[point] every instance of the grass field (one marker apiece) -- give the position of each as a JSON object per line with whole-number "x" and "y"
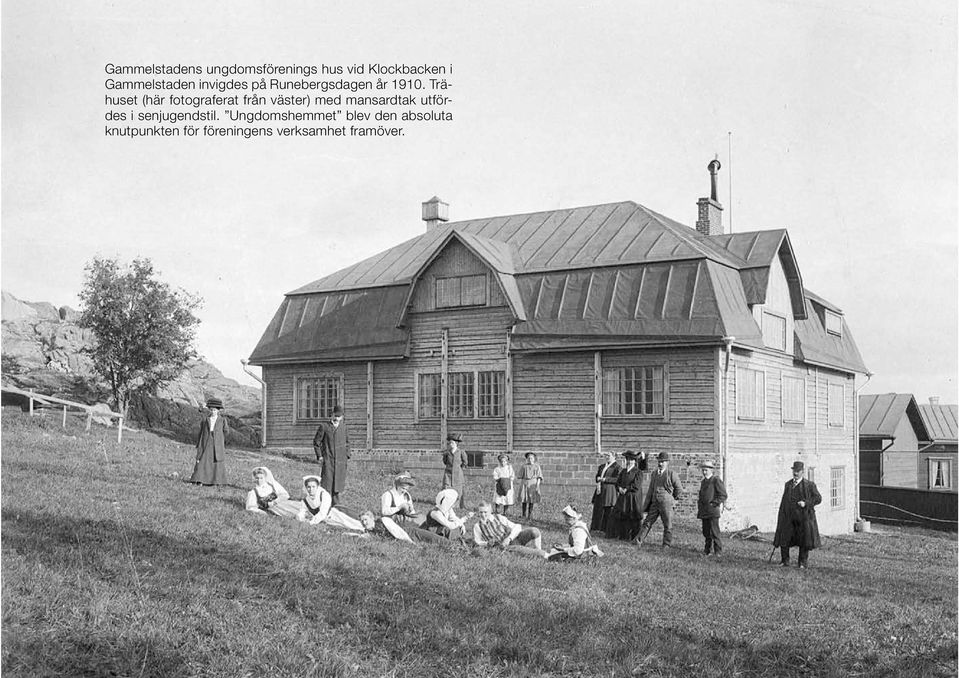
{"x": 114, "y": 566}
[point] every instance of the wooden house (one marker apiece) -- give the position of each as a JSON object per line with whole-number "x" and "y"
{"x": 938, "y": 457}
{"x": 571, "y": 331}
{"x": 890, "y": 431}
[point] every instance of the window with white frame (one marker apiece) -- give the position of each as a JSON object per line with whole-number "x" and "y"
{"x": 811, "y": 474}
{"x": 836, "y": 396}
{"x": 837, "y": 486}
{"x": 750, "y": 394}
{"x": 461, "y": 394}
{"x": 774, "y": 331}
{"x": 317, "y": 396}
{"x": 429, "y": 396}
{"x": 940, "y": 474}
{"x": 634, "y": 391}
{"x": 833, "y": 323}
{"x": 794, "y": 399}
{"x": 463, "y": 290}
{"x": 492, "y": 394}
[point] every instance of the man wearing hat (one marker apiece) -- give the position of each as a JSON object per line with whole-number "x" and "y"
{"x": 331, "y": 444}
{"x": 796, "y": 525}
{"x": 712, "y": 494}
{"x": 454, "y": 461}
{"x": 210, "y": 466}
{"x": 665, "y": 489}
{"x": 397, "y": 504}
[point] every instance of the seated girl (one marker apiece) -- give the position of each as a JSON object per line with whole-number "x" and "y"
{"x": 580, "y": 544}
{"x": 317, "y": 507}
{"x": 396, "y": 502}
{"x": 442, "y": 519}
{"x": 268, "y": 496}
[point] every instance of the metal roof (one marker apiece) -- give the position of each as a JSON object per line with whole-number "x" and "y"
{"x": 817, "y": 346}
{"x": 880, "y": 414}
{"x": 940, "y": 422}
{"x": 582, "y": 237}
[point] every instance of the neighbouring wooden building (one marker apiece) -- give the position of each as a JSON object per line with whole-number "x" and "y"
{"x": 571, "y": 331}
{"x": 908, "y": 460}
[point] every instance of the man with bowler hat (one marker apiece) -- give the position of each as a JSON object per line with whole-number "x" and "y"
{"x": 665, "y": 489}
{"x": 331, "y": 444}
{"x": 712, "y": 494}
{"x": 796, "y": 525}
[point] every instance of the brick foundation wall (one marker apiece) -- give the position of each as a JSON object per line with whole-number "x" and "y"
{"x": 569, "y": 473}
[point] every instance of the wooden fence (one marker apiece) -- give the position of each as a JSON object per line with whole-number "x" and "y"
{"x": 929, "y": 508}
{"x": 52, "y": 401}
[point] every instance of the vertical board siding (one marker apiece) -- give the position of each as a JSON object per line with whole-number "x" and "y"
{"x": 760, "y": 453}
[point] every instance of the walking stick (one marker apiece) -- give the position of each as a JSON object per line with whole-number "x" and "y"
{"x": 770, "y": 559}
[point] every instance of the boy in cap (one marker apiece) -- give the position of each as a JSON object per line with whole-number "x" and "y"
{"x": 796, "y": 525}
{"x": 665, "y": 489}
{"x": 712, "y": 494}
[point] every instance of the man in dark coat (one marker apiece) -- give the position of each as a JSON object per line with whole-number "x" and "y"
{"x": 797, "y": 524}
{"x": 712, "y": 494}
{"x": 454, "y": 461}
{"x": 331, "y": 444}
{"x": 665, "y": 489}
{"x": 210, "y": 466}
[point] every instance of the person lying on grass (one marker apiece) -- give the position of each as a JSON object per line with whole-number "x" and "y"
{"x": 396, "y": 502}
{"x": 492, "y": 530}
{"x": 580, "y": 545}
{"x": 387, "y": 528}
{"x": 268, "y": 496}
{"x": 442, "y": 520}
{"x": 317, "y": 507}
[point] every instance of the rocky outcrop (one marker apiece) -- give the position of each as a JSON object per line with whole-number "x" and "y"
{"x": 43, "y": 351}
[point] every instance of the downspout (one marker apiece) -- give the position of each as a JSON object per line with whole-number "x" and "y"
{"x": 725, "y": 407}
{"x": 245, "y": 363}
{"x": 855, "y": 438}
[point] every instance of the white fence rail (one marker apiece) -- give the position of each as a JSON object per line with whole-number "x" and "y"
{"x": 51, "y": 400}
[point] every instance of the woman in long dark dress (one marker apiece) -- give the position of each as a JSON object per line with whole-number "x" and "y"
{"x": 210, "y": 466}
{"x": 604, "y": 499}
{"x": 628, "y": 513}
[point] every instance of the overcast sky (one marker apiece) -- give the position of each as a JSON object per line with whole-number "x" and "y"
{"x": 843, "y": 119}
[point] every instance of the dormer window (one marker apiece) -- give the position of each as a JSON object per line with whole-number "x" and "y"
{"x": 833, "y": 323}
{"x": 774, "y": 331}
{"x": 463, "y": 290}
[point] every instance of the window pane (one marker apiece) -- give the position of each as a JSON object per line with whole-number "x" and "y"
{"x": 492, "y": 390}
{"x": 750, "y": 393}
{"x": 794, "y": 399}
{"x": 774, "y": 331}
{"x": 837, "y": 490}
{"x": 836, "y": 395}
{"x": 634, "y": 390}
{"x": 447, "y": 292}
{"x": 317, "y": 396}
{"x": 473, "y": 290}
{"x": 461, "y": 394}
{"x": 429, "y": 396}
{"x": 833, "y": 323}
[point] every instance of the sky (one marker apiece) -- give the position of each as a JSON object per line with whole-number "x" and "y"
{"x": 843, "y": 122}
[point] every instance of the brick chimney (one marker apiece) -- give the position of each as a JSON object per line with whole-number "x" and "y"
{"x": 933, "y": 400}
{"x": 710, "y": 220}
{"x": 435, "y": 213}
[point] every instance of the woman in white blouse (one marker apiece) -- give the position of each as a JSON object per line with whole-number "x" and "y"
{"x": 396, "y": 502}
{"x": 268, "y": 496}
{"x": 442, "y": 519}
{"x": 317, "y": 507}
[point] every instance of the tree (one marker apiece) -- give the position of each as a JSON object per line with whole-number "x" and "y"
{"x": 144, "y": 329}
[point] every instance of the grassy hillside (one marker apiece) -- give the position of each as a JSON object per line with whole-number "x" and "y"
{"x": 114, "y": 566}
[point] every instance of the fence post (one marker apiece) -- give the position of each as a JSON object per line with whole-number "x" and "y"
{"x": 89, "y": 419}
{"x": 64, "y": 416}
{"x": 31, "y": 406}
{"x": 119, "y": 429}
